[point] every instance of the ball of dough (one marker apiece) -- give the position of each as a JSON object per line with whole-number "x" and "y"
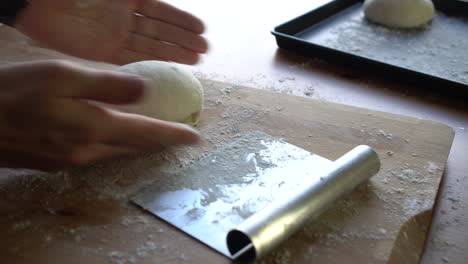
{"x": 172, "y": 93}
{"x": 399, "y": 13}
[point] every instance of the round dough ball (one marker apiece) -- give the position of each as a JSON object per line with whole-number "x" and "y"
{"x": 399, "y": 13}
{"x": 172, "y": 93}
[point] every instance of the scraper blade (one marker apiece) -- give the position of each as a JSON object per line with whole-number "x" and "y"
{"x": 233, "y": 184}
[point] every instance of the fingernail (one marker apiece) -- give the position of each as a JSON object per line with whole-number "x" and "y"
{"x": 196, "y": 136}
{"x": 185, "y": 126}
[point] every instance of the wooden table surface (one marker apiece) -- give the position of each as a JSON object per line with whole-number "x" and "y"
{"x": 244, "y": 52}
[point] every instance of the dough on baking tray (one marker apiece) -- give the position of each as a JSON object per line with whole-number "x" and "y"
{"x": 172, "y": 93}
{"x": 399, "y": 13}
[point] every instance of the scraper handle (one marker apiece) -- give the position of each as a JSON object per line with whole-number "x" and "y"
{"x": 266, "y": 229}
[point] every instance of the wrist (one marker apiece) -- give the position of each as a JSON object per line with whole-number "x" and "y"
{"x": 10, "y": 9}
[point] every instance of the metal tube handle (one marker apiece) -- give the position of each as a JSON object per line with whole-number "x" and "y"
{"x": 266, "y": 229}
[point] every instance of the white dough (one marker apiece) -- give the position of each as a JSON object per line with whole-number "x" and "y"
{"x": 399, "y": 13}
{"x": 172, "y": 93}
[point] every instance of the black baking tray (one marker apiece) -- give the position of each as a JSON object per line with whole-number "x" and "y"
{"x": 434, "y": 56}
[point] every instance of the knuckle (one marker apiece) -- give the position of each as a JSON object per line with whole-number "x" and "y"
{"x": 58, "y": 73}
{"x": 58, "y": 66}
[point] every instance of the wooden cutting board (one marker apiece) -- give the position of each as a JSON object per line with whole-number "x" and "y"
{"x": 83, "y": 215}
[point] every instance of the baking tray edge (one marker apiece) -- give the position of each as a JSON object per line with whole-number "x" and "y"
{"x": 284, "y": 35}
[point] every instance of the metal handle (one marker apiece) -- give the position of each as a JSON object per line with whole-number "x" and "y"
{"x": 265, "y": 230}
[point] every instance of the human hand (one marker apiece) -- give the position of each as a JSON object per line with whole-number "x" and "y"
{"x": 47, "y": 121}
{"x": 115, "y": 31}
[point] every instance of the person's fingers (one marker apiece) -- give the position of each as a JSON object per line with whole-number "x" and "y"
{"x": 166, "y": 32}
{"x": 164, "y": 50}
{"x": 170, "y": 14}
{"x": 126, "y": 56}
{"x": 144, "y": 133}
{"x": 67, "y": 79}
{"x": 54, "y": 123}
{"x": 54, "y": 148}
{"x": 98, "y": 85}
{"x": 18, "y": 159}
{"x": 87, "y": 124}
{"x": 93, "y": 152}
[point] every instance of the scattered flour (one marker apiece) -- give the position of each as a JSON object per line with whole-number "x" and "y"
{"x": 119, "y": 257}
{"x": 413, "y": 206}
{"x": 144, "y": 249}
{"x": 407, "y": 175}
{"x": 21, "y": 225}
{"x": 138, "y": 219}
{"x": 432, "y": 167}
{"x": 388, "y": 136}
{"x": 280, "y": 256}
{"x": 283, "y": 79}
{"x": 117, "y": 181}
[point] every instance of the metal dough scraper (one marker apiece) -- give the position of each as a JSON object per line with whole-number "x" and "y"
{"x": 247, "y": 197}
